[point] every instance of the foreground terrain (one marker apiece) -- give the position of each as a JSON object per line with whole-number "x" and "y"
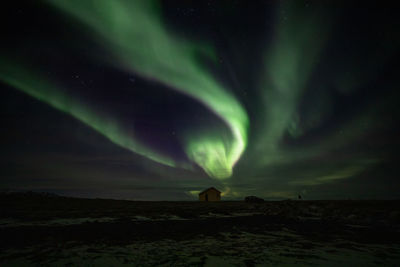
{"x": 40, "y": 229}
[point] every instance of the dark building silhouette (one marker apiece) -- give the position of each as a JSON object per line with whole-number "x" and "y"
{"x": 210, "y": 194}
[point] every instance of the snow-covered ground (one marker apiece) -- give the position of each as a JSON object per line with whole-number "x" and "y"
{"x": 58, "y": 231}
{"x": 278, "y": 248}
{"x": 4, "y": 223}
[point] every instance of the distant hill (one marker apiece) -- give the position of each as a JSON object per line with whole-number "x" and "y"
{"x": 28, "y": 194}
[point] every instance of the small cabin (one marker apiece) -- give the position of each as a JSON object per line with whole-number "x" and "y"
{"x": 210, "y": 194}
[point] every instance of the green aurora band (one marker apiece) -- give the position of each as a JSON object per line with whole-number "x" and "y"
{"x": 47, "y": 92}
{"x": 134, "y": 33}
{"x": 300, "y": 35}
{"x": 291, "y": 100}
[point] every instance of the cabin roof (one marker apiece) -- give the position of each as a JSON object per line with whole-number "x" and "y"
{"x": 209, "y": 189}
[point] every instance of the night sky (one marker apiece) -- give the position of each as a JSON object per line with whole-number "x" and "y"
{"x": 158, "y": 100}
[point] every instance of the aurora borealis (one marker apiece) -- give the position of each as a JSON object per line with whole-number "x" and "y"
{"x": 159, "y": 99}
{"x": 135, "y": 34}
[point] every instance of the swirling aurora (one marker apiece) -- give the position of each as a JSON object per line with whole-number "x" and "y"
{"x": 271, "y": 109}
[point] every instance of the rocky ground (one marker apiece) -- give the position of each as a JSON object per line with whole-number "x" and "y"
{"x": 38, "y": 229}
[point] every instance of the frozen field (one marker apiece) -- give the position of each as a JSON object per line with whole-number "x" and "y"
{"x": 43, "y": 230}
